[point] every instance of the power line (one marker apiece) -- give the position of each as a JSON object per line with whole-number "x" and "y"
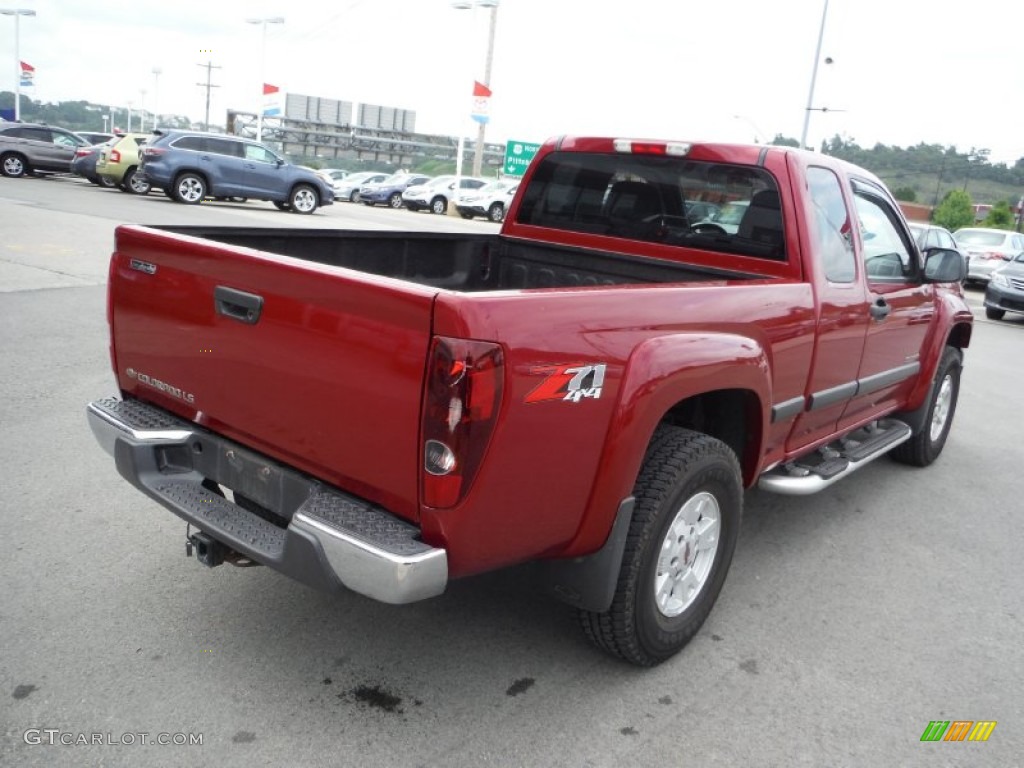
{"x": 209, "y": 67}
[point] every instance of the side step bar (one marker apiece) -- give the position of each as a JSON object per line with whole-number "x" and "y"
{"x": 818, "y": 470}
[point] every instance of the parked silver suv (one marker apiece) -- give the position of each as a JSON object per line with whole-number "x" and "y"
{"x": 33, "y": 147}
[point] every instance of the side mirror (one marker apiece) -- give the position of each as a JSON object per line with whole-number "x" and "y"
{"x": 944, "y": 265}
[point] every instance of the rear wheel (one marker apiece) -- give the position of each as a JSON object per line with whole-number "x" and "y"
{"x": 689, "y": 500}
{"x": 994, "y": 314}
{"x": 496, "y": 212}
{"x": 13, "y": 165}
{"x": 189, "y": 188}
{"x": 438, "y": 205}
{"x": 927, "y": 443}
{"x": 303, "y": 199}
{"x": 106, "y": 182}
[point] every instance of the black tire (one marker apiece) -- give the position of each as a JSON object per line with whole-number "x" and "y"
{"x": 685, "y": 475}
{"x": 466, "y": 214}
{"x": 13, "y": 165}
{"x": 994, "y": 314}
{"x": 190, "y": 188}
{"x": 926, "y": 444}
{"x": 354, "y": 196}
{"x": 106, "y": 182}
{"x": 496, "y": 212}
{"x": 395, "y": 201}
{"x": 439, "y": 205}
{"x": 370, "y": 203}
{"x": 133, "y": 184}
{"x": 282, "y": 206}
{"x": 303, "y": 199}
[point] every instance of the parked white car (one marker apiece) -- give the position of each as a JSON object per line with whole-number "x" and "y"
{"x": 490, "y": 200}
{"x": 348, "y": 188}
{"x": 434, "y": 195}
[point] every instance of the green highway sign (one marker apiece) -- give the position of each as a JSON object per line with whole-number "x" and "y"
{"x": 518, "y": 155}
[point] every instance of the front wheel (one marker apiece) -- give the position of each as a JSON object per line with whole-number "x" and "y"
{"x": 395, "y": 201}
{"x": 689, "y": 501}
{"x": 992, "y": 313}
{"x": 496, "y": 212}
{"x": 303, "y": 199}
{"x": 189, "y": 188}
{"x": 926, "y": 444}
{"x": 438, "y": 205}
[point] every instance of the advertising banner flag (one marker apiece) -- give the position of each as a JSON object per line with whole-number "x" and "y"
{"x": 481, "y": 111}
{"x": 271, "y": 100}
{"x": 28, "y": 73}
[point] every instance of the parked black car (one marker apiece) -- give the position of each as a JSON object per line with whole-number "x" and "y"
{"x": 84, "y": 165}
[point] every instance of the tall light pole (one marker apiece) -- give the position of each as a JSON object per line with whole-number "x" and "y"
{"x": 263, "y": 67}
{"x": 156, "y": 93}
{"x": 17, "y": 13}
{"x": 814, "y": 77}
{"x": 478, "y": 152}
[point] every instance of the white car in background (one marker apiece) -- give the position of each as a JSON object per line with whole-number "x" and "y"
{"x": 434, "y": 195}
{"x": 490, "y": 200}
{"x": 348, "y": 187}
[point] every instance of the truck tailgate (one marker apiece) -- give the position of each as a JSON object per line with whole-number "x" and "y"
{"x": 320, "y": 367}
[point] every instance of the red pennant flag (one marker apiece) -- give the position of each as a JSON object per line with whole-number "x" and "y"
{"x": 28, "y": 73}
{"x": 269, "y": 89}
{"x": 481, "y": 91}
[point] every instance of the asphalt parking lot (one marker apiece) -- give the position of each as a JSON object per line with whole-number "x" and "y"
{"x": 849, "y": 621}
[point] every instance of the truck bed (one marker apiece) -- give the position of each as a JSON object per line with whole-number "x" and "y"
{"x": 459, "y": 262}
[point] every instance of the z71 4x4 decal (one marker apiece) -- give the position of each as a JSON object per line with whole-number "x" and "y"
{"x": 571, "y": 382}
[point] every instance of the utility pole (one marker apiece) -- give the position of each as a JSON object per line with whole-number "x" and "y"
{"x": 209, "y": 67}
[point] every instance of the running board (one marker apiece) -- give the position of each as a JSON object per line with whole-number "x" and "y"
{"x": 818, "y": 470}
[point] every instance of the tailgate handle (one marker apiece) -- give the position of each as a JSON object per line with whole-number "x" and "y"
{"x": 238, "y": 305}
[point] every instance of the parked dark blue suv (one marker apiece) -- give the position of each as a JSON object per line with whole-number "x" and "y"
{"x": 190, "y": 167}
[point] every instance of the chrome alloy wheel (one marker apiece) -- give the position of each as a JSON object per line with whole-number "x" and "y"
{"x": 304, "y": 200}
{"x": 943, "y": 404}
{"x": 191, "y": 189}
{"x": 687, "y": 554}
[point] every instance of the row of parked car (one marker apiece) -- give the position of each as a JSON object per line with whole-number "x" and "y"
{"x": 417, "y": 192}
{"x": 190, "y": 167}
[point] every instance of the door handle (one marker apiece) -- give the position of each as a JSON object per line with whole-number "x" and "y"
{"x": 880, "y": 309}
{"x": 238, "y": 305}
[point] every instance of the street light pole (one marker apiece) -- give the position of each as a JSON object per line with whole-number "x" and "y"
{"x": 478, "y": 152}
{"x": 263, "y": 67}
{"x": 814, "y": 77}
{"x": 17, "y": 13}
{"x": 156, "y": 93}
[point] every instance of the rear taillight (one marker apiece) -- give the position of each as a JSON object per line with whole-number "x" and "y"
{"x": 151, "y": 152}
{"x": 115, "y": 156}
{"x": 83, "y": 152}
{"x": 464, "y": 386}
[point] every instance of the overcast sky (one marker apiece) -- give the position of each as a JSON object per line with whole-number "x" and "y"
{"x": 903, "y": 71}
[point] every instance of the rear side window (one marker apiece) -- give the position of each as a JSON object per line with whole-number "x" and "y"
{"x": 655, "y": 199}
{"x": 833, "y": 228}
{"x": 189, "y": 142}
{"x": 222, "y": 146}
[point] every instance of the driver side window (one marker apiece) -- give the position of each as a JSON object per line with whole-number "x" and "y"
{"x": 887, "y": 256}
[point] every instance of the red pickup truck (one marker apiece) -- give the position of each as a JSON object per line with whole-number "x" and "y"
{"x": 591, "y": 389}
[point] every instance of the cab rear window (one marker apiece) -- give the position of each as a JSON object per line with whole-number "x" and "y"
{"x": 663, "y": 199}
